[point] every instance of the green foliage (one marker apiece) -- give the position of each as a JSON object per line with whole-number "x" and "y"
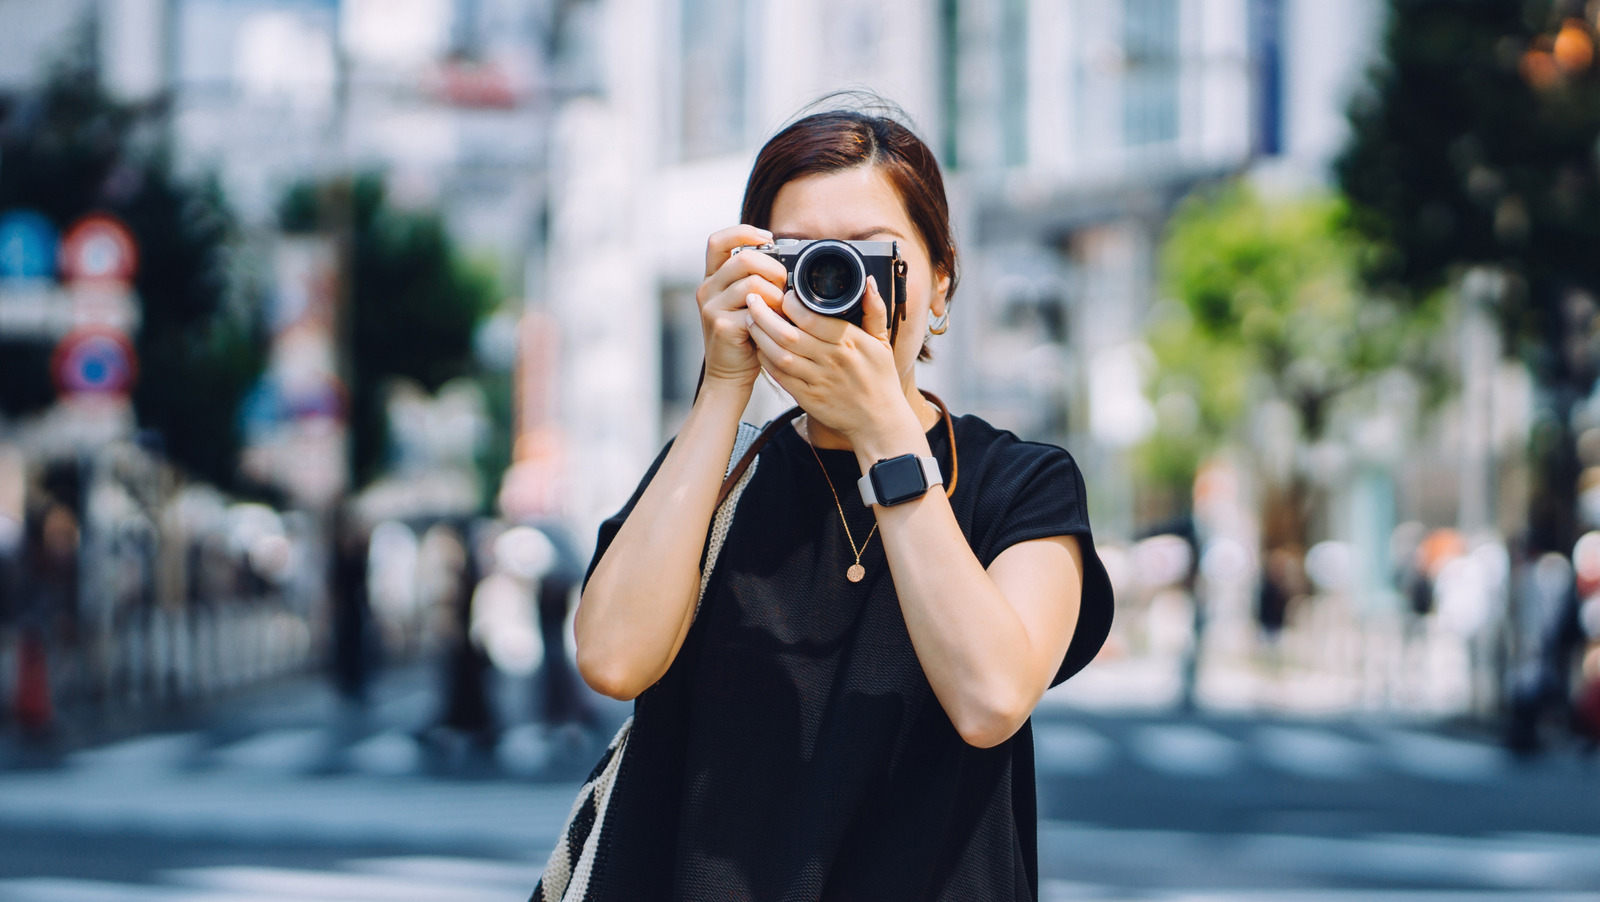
{"x": 414, "y": 300}
{"x": 1476, "y": 145}
{"x": 69, "y": 150}
{"x": 1264, "y": 303}
{"x": 1456, "y": 158}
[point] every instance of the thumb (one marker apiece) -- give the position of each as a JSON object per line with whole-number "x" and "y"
{"x": 874, "y": 312}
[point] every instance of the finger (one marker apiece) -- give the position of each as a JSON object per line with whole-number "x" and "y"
{"x": 740, "y": 265}
{"x": 782, "y": 358}
{"x": 721, "y": 243}
{"x": 874, "y": 312}
{"x": 735, "y": 296}
{"x": 781, "y": 330}
{"x": 787, "y": 381}
{"x": 824, "y": 328}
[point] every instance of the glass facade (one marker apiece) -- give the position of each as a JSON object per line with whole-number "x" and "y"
{"x": 1150, "y": 79}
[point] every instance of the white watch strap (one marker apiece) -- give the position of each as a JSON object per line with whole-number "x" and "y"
{"x": 930, "y": 472}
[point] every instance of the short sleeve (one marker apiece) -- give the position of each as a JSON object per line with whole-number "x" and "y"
{"x": 1036, "y": 491}
{"x": 609, "y": 528}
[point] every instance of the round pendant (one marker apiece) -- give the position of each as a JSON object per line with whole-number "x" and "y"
{"x": 855, "y": 573}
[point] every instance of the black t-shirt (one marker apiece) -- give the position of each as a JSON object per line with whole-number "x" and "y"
{"x": 794, "y": 749}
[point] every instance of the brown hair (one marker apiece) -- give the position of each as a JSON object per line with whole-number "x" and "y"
{"x": 837, "y": 140}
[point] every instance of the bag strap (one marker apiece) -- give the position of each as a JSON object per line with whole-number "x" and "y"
{"x": 739, "y": 462}
{"x": 741, "y": 466}
{"x": 747, "y": 446}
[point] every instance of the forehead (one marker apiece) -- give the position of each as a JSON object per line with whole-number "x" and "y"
{"x": 840, "y": 204}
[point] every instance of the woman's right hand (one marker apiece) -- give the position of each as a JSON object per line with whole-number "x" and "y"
{"x": 724, "y": 320}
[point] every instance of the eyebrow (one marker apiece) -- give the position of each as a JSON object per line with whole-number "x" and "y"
{"x": 862, "y": 235}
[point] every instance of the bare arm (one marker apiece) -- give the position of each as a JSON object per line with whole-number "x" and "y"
{"x": 640, "y": 600}
{"x": 989, "y": 640}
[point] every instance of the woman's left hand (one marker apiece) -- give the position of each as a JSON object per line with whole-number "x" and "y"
{"x": 843, "y": 375}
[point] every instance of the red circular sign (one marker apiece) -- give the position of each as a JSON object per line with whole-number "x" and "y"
{"x": 94, "y": 361}
{"x": 99, "y": 248}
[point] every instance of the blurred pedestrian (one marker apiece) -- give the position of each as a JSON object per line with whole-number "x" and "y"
{"x": 354, "y": 646}
{"x": 1545, "y": 608}
{"x": 843, "y": 709}
{"x": 467, "y": 707}
{"x": 48, "y": 605}
{"x": 560, "y": 698}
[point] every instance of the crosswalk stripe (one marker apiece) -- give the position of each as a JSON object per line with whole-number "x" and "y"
{"x": 289, "y": 883}
{"x": 1441, "y": 758}
{"x": 1313, "y": 753}
{"x": 62, "y": 889}
{"x": 142, "y": 754}
{"x": 1064, "y": 748}
{"x": 286, "y": 750}
{"x": 390, "y": 753}
{"x": 453, "y": 870}
{"x": 401, "y": 879}
{"x": 1503, "y": 864}
{"x": 1185, "y": 750}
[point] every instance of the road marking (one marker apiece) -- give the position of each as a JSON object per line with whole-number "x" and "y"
{"x": 390, "y": 753}
{"x": 290, "y": 883}
{"x": 1439, "y": 758}
{"x": 440, "y": 869}
{"x": 162, "y": 751}
{"x": 1185, "y": 750}
{"x": 1555, "y": 865}
{"x": 281, "y": 751}
{"x": 1314, "y": 753}
{"x": 1063, "y": 748}
{"x": 401, "y": 879}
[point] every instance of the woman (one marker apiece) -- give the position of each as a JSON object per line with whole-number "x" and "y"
{"x": 846, "y": 715}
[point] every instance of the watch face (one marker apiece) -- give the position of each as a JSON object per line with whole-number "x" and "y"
{"x": 898, "y": 479}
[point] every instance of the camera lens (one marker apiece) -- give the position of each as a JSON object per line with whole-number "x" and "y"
{"x": 831, "y": 277}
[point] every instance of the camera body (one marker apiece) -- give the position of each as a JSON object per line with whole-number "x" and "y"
{"x": 830, "y": 276}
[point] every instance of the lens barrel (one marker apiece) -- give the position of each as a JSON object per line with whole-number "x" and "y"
{"x": 830, "y": 277}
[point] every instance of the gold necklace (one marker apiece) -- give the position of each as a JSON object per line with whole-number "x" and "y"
{"x": 856, "y": 573}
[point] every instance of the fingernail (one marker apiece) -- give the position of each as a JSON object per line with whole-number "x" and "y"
{"x": 766, "y": 233}
{"x": 749, "y": 320}
{"x": 752, "y": 299}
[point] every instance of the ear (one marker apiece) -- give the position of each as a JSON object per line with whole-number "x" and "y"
{"x": 941, "y": 297}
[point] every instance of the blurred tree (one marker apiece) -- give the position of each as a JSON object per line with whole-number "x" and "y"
{"x": 67, "y": 150}
{"x": 1475, "y": 146}
{"x": 413, "y": 300}
{"x": 1265, "y": 306}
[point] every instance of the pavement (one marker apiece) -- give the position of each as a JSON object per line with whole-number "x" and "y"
{"x": 290, "y": 797}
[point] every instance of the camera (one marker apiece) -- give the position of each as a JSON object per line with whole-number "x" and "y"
{"x": 830, "y": 276}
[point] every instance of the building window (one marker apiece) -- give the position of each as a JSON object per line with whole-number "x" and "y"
{"x": 1150, "y": 87}
{"x": 1266, "y": 57}
{"x": 680, "y": 355}
{"x": 714, "y": 75}
{"x": 1014, "y": 79}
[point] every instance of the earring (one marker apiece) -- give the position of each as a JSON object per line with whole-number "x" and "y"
{"x": 937, "y": 325}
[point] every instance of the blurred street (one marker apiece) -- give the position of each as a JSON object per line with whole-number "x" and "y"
{"x": 331, "y": 330}
{"x": 267, "y": 800}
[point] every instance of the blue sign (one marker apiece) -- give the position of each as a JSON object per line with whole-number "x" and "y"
{"x": 27, "y": 246}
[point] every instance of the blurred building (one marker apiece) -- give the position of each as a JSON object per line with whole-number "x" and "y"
{"x": 1068, "y": 129}
{"x": 592, "y": 145}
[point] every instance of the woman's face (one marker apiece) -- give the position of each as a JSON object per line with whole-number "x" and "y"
{"x": 861, "y": 205}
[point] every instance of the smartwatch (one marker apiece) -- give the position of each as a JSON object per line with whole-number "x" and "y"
{"x": 899, "y": 479}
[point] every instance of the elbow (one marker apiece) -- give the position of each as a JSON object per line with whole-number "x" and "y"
{"x": 986, "y": 723}
{"x": 608, "y": 675}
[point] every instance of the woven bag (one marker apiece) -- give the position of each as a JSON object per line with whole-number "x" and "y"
{"x": 571, "y": 868}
